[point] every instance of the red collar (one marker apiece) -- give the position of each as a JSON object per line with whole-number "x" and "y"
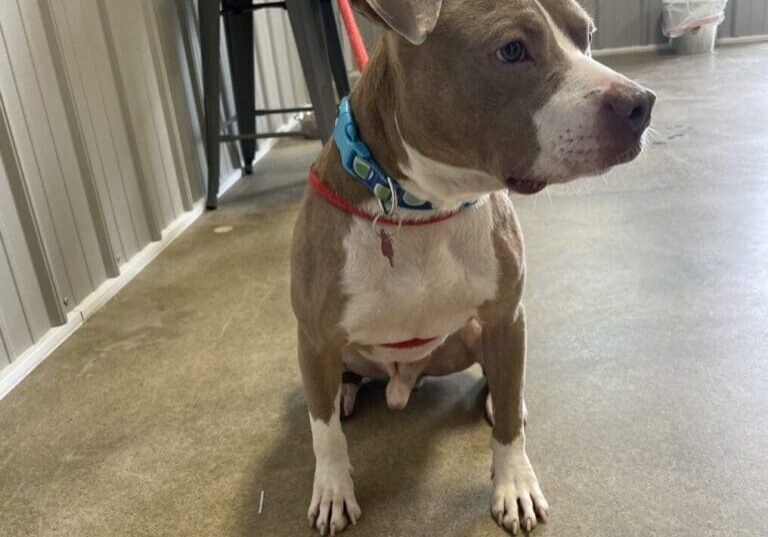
{"x": 324, "y": 191}
{"x": 409, "y": 344}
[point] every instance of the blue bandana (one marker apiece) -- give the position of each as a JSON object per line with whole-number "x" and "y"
{"x": 357, "y": 161}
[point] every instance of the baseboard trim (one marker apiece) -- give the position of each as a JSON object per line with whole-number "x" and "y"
{"x": 664, "y": 47}
{"x": 620, "y": 51}
{"x": 13, "y": 374}
{"x": 138, "y": 262}
{"x": 743, "y": 40}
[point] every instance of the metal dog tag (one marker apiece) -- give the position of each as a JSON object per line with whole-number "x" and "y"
{"x": 387, "y": 248}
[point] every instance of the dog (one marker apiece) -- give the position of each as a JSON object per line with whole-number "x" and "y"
{"x": 462, "y": 102}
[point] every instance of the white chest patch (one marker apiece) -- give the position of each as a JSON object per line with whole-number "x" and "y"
{"x": 442, "y": 273}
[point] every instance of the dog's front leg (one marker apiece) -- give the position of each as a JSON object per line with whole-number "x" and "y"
{"x": 333, "y": 502}
{"x": 516, "y": 491}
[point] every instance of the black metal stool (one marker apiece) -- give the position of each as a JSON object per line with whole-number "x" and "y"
{"x": 317, "y": 40}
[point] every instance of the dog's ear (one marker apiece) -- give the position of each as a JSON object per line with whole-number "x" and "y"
{"x": 412, "y": 19}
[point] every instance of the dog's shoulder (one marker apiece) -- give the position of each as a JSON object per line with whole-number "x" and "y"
{"x": 509, "y": 249}
{"x": 317, "y": 260}
{"x": 506, "y": 232}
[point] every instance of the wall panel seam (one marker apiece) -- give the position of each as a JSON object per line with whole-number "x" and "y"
{"x": 5, "y": 345}
{"x": 119, "y": 164}
{"x": 55, "y": 148}
{"x": 87, "y": 178}
{"x": 11, "y": 266}
{"x": 171, "y": 123}
{"x": 44, "y": 193}
{"x": 150, "y": 204}
{"x": 174, "y": 211}
{"x": 26, "y": 212}
{"x": 89, "y": 120}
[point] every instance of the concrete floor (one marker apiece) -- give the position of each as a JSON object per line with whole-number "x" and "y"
{"x": 176, "y": 405}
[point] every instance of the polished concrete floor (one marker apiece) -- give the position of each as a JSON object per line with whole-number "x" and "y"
{"x": 175, "y": 406}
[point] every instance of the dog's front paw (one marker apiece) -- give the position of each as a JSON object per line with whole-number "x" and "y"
{"x": 333, "y": 503}
{"x": 517, "y": 498}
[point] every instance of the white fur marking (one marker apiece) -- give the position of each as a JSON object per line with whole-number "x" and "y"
{"x": 446, "y": 186}
{"x": 571, "y": 144}
{"x": 442, "y": 273}
{"x": 515, "y": 487}
{"x": 333, "y": 488}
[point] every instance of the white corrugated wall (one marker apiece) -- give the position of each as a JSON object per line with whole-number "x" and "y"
{"x": 100, "y": 146}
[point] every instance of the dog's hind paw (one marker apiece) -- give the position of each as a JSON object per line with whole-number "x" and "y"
{"x": 348, "y": 398}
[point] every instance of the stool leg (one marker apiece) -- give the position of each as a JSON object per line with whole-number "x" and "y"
{"x": 306, "y": 21}
{"x": 335, "y": 55}
{"x": 208, "y": 12}
{"x": 239, "y": 34}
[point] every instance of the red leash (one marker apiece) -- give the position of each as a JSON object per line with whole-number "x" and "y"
{"x": 324, "y": 191}
{"x": 353, "y": 33}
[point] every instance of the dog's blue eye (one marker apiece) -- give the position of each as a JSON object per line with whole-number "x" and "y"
{"x": 512, "y": 52}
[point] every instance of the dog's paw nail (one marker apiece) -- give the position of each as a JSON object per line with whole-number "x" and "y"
{"x": 528, "y": 524}
{"x": 352, "y": 517}
{"x": 544, "y": 515}
{"x": 515, "y": 527}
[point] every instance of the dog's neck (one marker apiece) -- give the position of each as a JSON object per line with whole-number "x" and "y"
{"x": 374, "y": 102}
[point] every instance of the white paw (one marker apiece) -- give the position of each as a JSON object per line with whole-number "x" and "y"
{"x": 398, "y": 393}
{"x": 333, "y": 503}
{"x": 517, "y": 500}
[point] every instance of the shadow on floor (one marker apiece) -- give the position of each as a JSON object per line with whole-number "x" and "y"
{"x": 388, "y": 465}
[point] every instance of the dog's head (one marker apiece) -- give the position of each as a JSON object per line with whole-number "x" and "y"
{"x": 505, "y": 91}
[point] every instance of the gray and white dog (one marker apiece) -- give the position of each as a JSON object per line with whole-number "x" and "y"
{"x": 462, "y": 102}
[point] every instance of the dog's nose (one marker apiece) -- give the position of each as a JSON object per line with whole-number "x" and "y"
{"x": 633, "y": 104}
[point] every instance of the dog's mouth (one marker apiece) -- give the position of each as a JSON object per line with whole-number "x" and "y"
{"x": 525, "y": 186}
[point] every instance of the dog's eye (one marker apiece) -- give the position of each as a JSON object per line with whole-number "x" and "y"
{"x": 512, "y": 52}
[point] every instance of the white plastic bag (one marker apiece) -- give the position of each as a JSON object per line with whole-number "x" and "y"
{"x": 681, "y": 16}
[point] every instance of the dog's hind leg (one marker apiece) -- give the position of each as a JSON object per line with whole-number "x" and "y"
{"x": 460, "y": 351}
{"x": 350, "y": 383}
{"x": 357, "y": 368}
